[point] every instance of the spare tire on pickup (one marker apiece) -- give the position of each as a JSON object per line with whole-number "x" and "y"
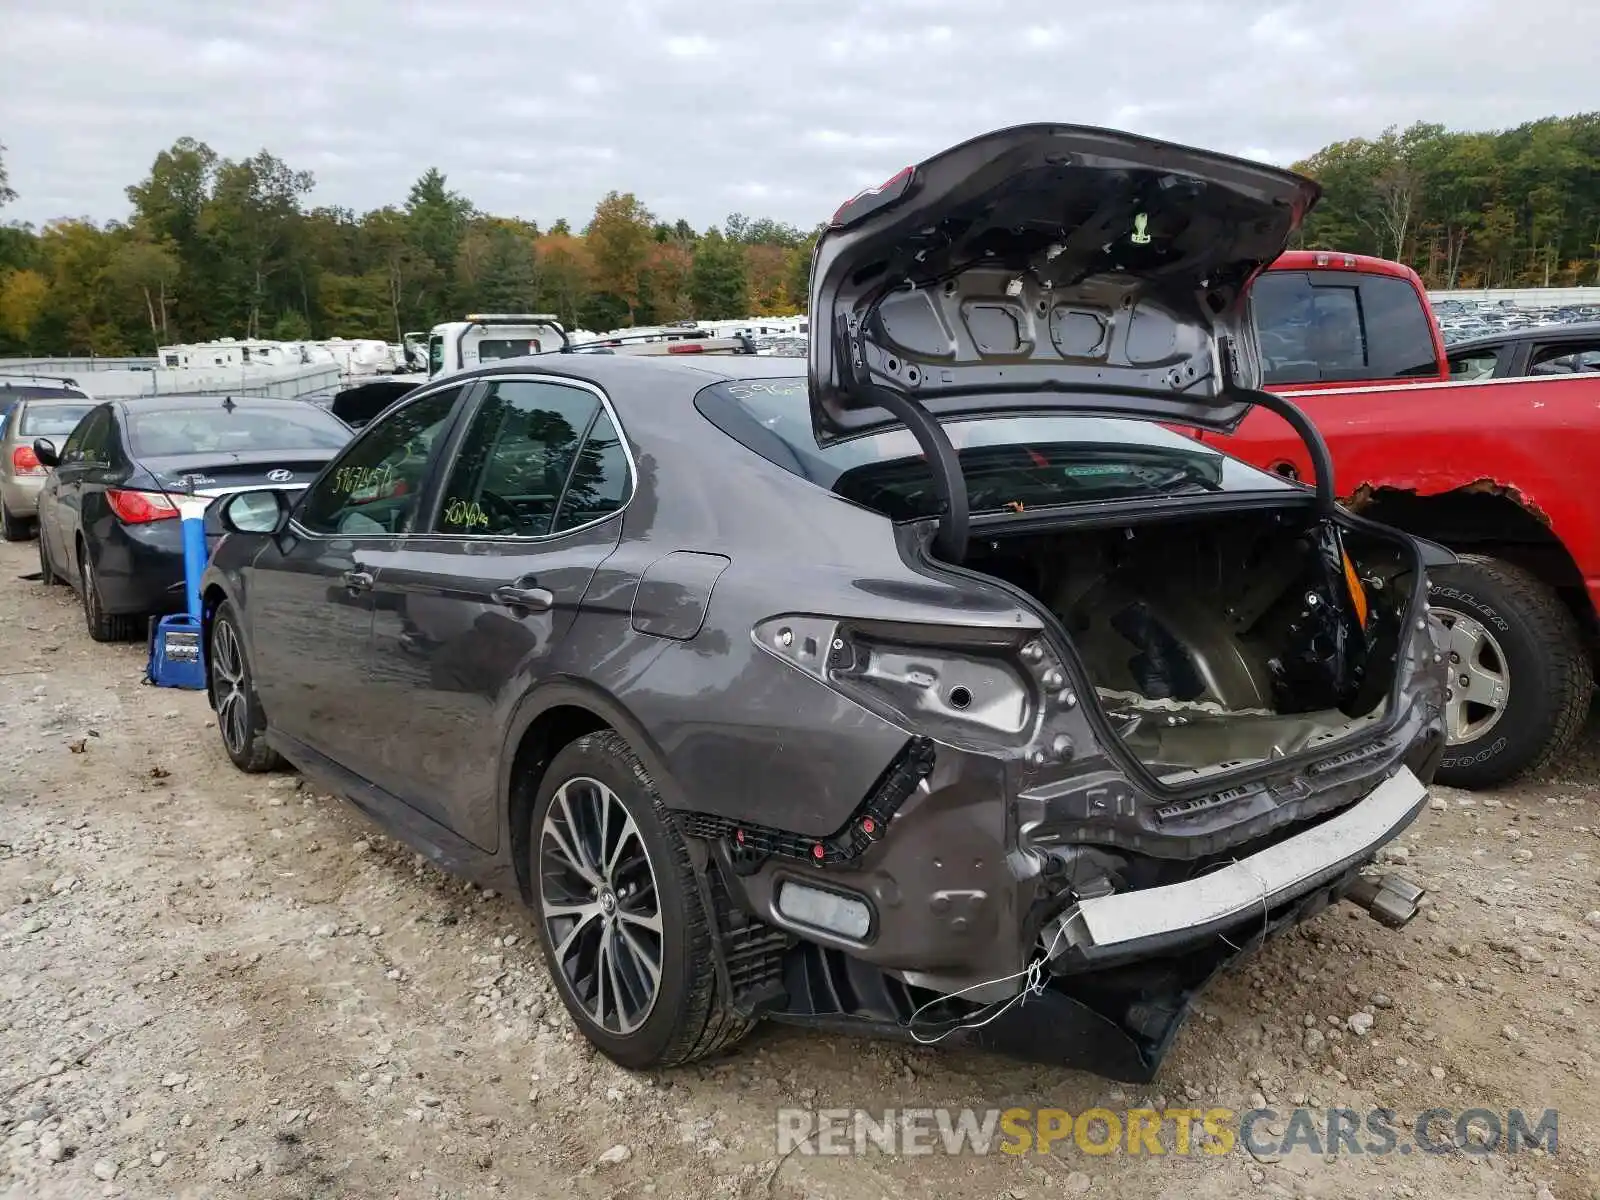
{"x": 1521, "y": 676}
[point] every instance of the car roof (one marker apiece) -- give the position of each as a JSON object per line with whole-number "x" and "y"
{"x": 1560, "y": 331}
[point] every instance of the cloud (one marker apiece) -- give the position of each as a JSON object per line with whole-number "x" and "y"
{"x": 781, "y": 110}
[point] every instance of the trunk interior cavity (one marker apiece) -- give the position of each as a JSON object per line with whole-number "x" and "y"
{"x": 1215, "y": 643}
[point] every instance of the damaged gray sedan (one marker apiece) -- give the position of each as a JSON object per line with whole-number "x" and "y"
{"x": 940, "y": 693}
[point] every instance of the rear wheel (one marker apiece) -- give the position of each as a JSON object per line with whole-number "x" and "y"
{"x": 102, "y": 626}
{"x": 1520, "y": 677}
{"x": 14, "y": 528}
{"x": 618, "y": 910}
{"x": 233, "y": 698}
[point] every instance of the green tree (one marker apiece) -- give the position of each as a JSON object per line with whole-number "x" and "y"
{"x": 438, "y": 219}
{"x": 495, "y": 268}
{"x": 718, "y": 284}
{"x": 23, "y": 296}
{"x": 619, "y": 237}
{"x": 7, "y": 195}
{"x": 147, "y": 271}
{"x": 251, "y": 229}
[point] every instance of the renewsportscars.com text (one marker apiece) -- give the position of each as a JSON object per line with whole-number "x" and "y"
{"x": 1149, "y": 1131}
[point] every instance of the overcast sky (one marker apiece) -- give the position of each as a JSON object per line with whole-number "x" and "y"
{"x": 780, "y": 108}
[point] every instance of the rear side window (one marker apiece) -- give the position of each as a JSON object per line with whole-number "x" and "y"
{"x": 598, "y": 486}
{"x": 91, "y": 439}
{"x": 540, "y": 457}
{"x": 1316, "y": 327}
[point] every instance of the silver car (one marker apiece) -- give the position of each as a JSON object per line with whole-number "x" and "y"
{"x": 38, "y": 409}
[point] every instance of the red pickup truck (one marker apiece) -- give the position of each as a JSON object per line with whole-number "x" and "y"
{"x": 1493, "y": 469}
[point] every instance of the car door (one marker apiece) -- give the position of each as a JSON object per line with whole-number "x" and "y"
{"x": 1567, "y": 354}
{"x": 81, "y": 456}
{"x": 50, "y": 497}
{"x": 310, "y": 590}
{"x": 471, "y": 613}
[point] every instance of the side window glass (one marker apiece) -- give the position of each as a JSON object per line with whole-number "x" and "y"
{"x": 1564, "y": 359}
{"x": 1478, "y": 365}
{"x": 515, "y": 460}
{"x": 599, "y": 484}
{"x": 1337, "y": 338}
{"x": 1282, "y": 305}
{"x": 72, "y": 448}
{"x": 83, "y": 446}
{"x": 373, "y": 487}
{"x": 1401, "y": 336}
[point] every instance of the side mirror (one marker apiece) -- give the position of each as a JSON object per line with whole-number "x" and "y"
{"x": 263, "y": 511}
{"x": 45, "y": 451}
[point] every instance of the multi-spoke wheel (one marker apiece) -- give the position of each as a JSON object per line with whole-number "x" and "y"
{"x": 233, "y": 697}
{"x": 1520, "y": 676}
{"x": 619, "y": 912}
{"x": 601, "y": 906}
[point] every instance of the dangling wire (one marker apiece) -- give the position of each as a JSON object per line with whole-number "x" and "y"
{"x": 1034, "y": 972}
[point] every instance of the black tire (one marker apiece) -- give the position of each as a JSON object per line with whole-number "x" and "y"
{"x": 689, "y": 1018}
{"x": 47, "y": 569}
{"x": 14, "y": 529}
{"x": 102, "y": 626}
{"x": 240, "y": 719}
{"x": 1548, "y": 673}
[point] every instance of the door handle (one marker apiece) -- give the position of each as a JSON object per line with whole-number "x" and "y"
{"x": 534, "y": 599}
{"x": 1285, "y": 468}
{"x": 357, "y": 581}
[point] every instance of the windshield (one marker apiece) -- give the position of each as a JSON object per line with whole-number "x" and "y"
{"x": 1009, "y": 462}
{"x": 240, "y": 429}
{"x": 52, "y": 420}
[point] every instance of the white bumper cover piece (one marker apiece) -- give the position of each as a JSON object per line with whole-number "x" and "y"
{"x": 1252, "y": 885}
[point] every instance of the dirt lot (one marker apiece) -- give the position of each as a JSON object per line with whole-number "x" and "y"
{"x": 214, "y": 985}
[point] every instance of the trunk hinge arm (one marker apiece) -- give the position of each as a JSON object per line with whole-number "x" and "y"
{"x": 1321, "y": 458}
{"x": 948, "y": 481}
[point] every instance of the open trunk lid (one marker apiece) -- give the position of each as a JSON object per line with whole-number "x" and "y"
{"x": 1048, "y": 267}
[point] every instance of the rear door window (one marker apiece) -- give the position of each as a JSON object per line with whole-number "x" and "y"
{"x": 1565, "y": 358}
{"x": 521, "y": 454}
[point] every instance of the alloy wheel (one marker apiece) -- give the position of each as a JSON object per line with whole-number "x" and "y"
{"x": 600, "y": 904}
{"x": 1480, "y": 684}
{"x": 228, "y": 689}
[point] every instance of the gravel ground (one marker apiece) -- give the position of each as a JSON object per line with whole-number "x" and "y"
{"x": 220, "y": 985}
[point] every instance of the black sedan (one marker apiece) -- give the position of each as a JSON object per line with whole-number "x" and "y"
{"x": 887, "y": 695}
{"x": 108, "y": 512}
{"x": 1535, "y": 350}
